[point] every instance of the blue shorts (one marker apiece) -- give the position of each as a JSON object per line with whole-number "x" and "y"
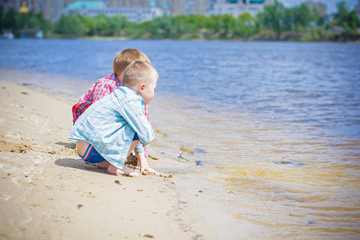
{"x": 92, "y": 156}
{"x": 135, "y": 137}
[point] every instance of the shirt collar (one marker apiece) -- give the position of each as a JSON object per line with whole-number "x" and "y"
{"x": 114, "y": 77}
{"x": 131, "y": 91}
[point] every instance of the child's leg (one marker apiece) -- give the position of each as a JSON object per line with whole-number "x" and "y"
{"x": 81, "y": 147}
{"x": 132, "y": 146}
{"x": 124, "y": 170}
{"x": 105, "y": 164}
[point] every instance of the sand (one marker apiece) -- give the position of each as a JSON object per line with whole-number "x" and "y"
{"x": 48, "y": 192}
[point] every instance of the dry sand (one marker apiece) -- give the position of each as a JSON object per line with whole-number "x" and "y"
{"x": 47, "y": 192}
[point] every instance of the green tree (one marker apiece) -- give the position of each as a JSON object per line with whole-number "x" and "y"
{"x": 161, "y": 27}
{"x": 14, "y": 21}
{"x": 11, "y": 21}
{"x": 117, "y": 24}
{"x": 245, "y": 25}
{"x": 71, "y": 25}
{"x": 273, "y": 17}
{"x": 135, "y": 30}
{"x": 315, "y": 17}
{"x": 191, "y": 23}
{"x": 1, "y": 17}
{"x": 32, "y": 21}
{"x": 181, "y": 27}
{"x": 347, "y": 19}
{"x": 342, "y": 12}
{"x": 296, "y": 18}
{"x": 288, "y": 19}
{"x": 214, "y": 23}
{"x": 226, "y": 23}
{"x": 302, "y": 16}
{"x": 45, "y": 25}
{"x": 100, "y": 25}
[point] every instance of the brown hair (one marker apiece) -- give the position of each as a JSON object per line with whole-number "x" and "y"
{"x": 125, "y": 57}
{"x": 139, "y": 71}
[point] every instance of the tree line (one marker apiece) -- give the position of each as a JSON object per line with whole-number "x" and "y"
{"x": 14, "y": 21}
{"x": 274, "y": 22}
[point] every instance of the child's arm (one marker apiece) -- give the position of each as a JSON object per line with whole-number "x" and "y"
{"x": 133, "y": 113}
{"x": 141, "y": 159}
{"x": 147, "y": 116}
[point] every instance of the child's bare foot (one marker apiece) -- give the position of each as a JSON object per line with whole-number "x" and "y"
{"x": 125, "y": 171}
{"x": 103, "y": 165}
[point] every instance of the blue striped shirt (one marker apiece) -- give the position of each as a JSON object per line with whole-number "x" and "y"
{"x": 110, "y": 124}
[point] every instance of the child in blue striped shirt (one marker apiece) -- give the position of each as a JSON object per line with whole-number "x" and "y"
{"x": 111, "y": 128}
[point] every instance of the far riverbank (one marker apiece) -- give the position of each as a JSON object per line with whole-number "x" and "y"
{"x": 315, "y": 35}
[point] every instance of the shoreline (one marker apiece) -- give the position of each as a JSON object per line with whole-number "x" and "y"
{"x": 49, "y": 193}
{"x": 114, "y": 38}
{"x": 287, "y": 36}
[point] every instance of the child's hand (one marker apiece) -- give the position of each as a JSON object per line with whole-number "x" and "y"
{"x": 144, "y": 165}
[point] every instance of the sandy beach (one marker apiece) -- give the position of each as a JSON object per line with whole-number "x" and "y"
{"x": 48, "y": 192}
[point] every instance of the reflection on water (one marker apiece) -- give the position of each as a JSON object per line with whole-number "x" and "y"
{"x": 276, "y": 182}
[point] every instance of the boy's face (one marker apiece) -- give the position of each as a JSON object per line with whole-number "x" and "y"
{"x": 148, "y": 91}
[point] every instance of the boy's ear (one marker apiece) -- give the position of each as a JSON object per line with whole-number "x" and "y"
{"x": 142, "y": 86}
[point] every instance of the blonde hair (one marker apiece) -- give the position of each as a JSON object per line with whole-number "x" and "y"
{"x": 137, "y": 72}
{"x": 125, "y": 57}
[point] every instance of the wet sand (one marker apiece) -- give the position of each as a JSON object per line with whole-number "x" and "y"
{"x": 47, "y": 192}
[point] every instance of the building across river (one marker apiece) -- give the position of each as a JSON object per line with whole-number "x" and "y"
{"x": 133, "y": 14}
{"x": 238, "y": 7}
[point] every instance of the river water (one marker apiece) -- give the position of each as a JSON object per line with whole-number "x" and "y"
{"x": 267, "y": 134}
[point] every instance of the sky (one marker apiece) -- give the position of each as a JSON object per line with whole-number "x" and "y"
{"x": 331, "y": 4}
